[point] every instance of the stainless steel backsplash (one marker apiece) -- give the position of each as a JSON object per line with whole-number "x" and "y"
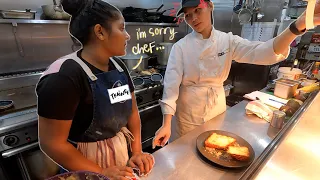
{"x": 44, "y": 43}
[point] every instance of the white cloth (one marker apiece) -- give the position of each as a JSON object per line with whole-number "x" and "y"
{"x": 196, "y": 70}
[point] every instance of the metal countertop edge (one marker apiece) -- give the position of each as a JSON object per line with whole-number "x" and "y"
{"x": 256, "y": 166}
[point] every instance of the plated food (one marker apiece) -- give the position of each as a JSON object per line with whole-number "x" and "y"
{"x": 239, "y": 153}
{"x": 228, "y": 144}
{"x": 225, "y": 149}
{"x": 219, "y": 141}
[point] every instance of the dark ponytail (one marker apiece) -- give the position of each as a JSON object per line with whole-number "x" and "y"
{"x": 86, "y": 14}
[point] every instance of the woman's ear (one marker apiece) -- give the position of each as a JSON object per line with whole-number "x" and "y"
{"x": 99, "y": 32}
{"x": 211, "y": 6}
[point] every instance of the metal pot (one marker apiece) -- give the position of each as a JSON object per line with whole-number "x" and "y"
{"x": 136, "y": 62}
{"x": 163, "y": 54}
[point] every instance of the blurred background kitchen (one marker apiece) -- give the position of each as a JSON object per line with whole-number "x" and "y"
{"x": 34, "y": 33}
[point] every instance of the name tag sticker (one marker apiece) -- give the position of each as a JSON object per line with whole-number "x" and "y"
{"x": 119, "y": 94}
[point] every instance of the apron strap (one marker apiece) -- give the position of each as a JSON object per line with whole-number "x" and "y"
{"x": 128, "y": 135}
{"x": 116, "y": 64}
{"x": 86, "y": 69}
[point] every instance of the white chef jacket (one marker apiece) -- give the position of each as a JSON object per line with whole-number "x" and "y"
{"x": 197, "y": 68}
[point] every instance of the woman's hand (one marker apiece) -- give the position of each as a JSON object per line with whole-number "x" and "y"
{"x": 162, "y": 136}
{"x": 118, "y": 172}
{"x": 143, "y": 161}
{"x": 301, "y": 21}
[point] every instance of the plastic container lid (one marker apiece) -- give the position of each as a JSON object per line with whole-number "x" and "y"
{"x": 287, "y": 70}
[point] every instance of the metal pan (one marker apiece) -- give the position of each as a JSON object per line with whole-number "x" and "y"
{"x": 156, "y": 16}
{"x": 157, "y": 13}
{"x": 6, "y": 104}
{"x": 16, "y": 14}
{"x": 136, "y": 62}
{"x": 224, "y": 160}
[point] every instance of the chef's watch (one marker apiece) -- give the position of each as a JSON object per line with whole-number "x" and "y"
{"x": 293, "y": 28}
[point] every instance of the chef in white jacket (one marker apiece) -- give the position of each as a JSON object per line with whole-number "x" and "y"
{"x": 200, "y": 62}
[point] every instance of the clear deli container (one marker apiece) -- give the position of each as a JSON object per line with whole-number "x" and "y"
{"x": 285, "y": 88}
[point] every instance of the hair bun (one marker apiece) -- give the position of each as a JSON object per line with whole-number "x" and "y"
{"x": 72, "y": 7}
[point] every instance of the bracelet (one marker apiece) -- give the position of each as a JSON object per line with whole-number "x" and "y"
{"x": 293, "y": 28}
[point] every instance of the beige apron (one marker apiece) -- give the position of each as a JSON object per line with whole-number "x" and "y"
{"x": 196, "y": 105}
{"x": 205, "y": 99}
{"x": 108, "y": 152}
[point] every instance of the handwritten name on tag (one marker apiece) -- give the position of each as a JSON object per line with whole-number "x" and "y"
{"x": 119, "y": 94}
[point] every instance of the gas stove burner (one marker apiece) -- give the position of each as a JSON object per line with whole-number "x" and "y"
{"x": 147, "y": 81}
{"x": 138, "y": 82}
{"x": 156, "y": 77}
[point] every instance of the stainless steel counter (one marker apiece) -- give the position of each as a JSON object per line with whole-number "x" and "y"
{"x": 180, "y": 160}
{"x": 298, "y": 155}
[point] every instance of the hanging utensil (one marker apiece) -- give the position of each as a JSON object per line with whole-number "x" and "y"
{"x": 254, "y": 12}
{"x": 237, "y": 8}
{"x": 16, "y": 36}
{"x": 245, "y": 15}
{"x": 257, "y": 9}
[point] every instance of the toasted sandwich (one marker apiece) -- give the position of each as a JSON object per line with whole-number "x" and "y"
{"x": 218, "y": 141}
{"x": 239, "y": 153}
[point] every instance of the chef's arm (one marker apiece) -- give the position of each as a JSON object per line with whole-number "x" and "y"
{"x": 53, "y": 135}
{"x": 167, "y": 120}
{"x": 134, "y": 125}
{"x": 282, "y": 41}
{"x": 172, "y": 82}
{"x": 263, "y": 53}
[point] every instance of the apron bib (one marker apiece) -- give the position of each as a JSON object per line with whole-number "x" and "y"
{"x": 196, "y": 105}
{"x": 204, "y": 100}
{"x": 112, "y": 103}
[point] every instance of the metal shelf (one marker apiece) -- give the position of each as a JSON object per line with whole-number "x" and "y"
{"x": 150, "y": 24}
{"x": 33, "y": 21}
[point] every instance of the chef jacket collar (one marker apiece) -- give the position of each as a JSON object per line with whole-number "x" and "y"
{"x": 199, "y": 37}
